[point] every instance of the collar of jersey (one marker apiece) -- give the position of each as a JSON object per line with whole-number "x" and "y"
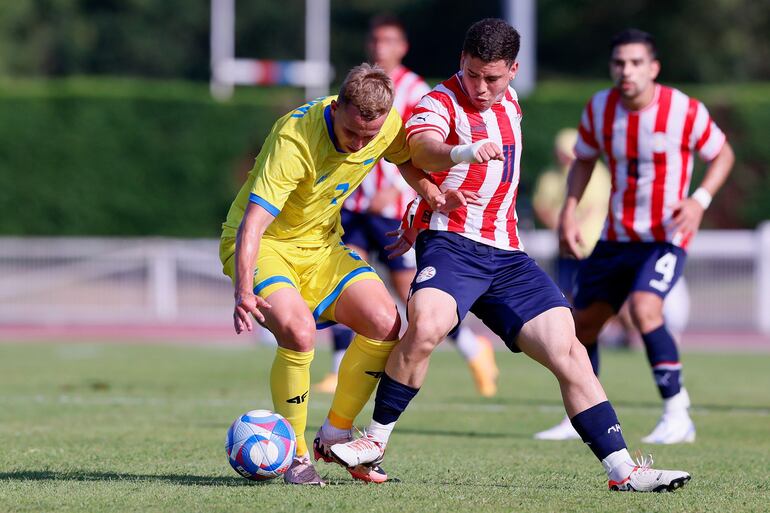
{"x": 330, "y": 128}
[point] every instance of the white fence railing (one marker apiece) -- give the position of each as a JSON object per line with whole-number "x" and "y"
{"x": 174, "y": 281}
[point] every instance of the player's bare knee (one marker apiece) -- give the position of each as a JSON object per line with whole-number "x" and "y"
{"x": 647, "y": 315}
{"x": 426, "y": 334}
{"x": 298, "y": 335}
{"x": 386, "y": 323}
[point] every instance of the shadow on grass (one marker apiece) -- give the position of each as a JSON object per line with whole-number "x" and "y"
{"x": 644, "y": 405}
{"x": 455, "y": 434}
{"x": 177, "y": 479}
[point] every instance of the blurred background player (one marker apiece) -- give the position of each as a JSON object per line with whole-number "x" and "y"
{"x": 590, "y": 215}
{"x": 647, "y": 133}
{"x": 548, "y": 200}
{"x": 376, "y": 207}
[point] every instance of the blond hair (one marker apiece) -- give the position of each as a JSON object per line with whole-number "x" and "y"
{"x": 369, "y": 89}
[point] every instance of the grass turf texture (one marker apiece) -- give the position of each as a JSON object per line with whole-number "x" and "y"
{"x": 137, "y": 428}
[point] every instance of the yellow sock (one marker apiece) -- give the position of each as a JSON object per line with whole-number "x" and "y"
{"x": 290, "y": 387}
{"x": 360, "y": 370}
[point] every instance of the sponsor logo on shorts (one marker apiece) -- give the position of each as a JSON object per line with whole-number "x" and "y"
{"x": 426, "y": 274}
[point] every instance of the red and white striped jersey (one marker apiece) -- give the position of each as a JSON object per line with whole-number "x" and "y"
{"x": 409, "y": 88}
{"x": 649, "y": 153}
{"x": 448, "y": 111}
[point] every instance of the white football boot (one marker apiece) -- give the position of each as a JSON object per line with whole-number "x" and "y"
{"x": 361, "y": 451}
{"x": 322, "y": 451}
{"x": 561, "y": 431}
{"x": 645, "y": 479}
{"x": 675, "y": 425}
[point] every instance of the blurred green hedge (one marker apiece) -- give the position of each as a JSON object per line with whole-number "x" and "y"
{"x": 121, "y": 157}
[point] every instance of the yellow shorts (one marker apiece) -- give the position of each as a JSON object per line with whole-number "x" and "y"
{"x": 320, "y": 274}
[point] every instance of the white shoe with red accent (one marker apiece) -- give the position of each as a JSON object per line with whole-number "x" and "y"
{"x": 645, "y": 479}
{"x": 561, "y": 431}
{"x": 361, "y": 451}
{"x": 368, "y": 473}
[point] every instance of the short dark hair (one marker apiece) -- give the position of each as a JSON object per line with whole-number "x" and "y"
{"x": 632, "y": 35}
{"x": 387, "y": 20}
{"x": 492, "y": 39}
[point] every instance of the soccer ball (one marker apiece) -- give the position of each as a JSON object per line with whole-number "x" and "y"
{"x": 260, "y": 445}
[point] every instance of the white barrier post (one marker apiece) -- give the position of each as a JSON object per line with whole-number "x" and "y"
{"x": 762, "y": 289}
{"x": 163, "y": 284}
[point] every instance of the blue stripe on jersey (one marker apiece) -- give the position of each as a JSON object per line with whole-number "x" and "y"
{"x": 369, "y": 161}
{"x": 330, "y": 128}
{"x": 262, "y": 202}
{"x": 269, "y": 281}
{"x": 328, "y": 300}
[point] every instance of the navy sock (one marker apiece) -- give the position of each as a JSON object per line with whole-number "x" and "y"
{"x": 599, "y": 428}
{"x": 391, "y": 400}
{"x": 593, "y": 354}
{"x": 663, "y": 356}
{"x": 343, "y": 336}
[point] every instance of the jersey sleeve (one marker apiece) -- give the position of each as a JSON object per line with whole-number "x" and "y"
{"x": 587, "y": 145}
{"x": 430, "y": 115}
{"x": 708, "y": 138}
{"x": 284, "y": 167}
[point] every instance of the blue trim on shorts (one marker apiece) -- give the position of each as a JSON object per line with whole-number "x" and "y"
{"x": 269, "y": 281}
{"x": 324, "y": 324}
{"x": 328, "y": 300}
{"x": 262, "y": 202}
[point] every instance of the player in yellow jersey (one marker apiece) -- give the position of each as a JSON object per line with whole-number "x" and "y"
{"x": 281, "y": 246}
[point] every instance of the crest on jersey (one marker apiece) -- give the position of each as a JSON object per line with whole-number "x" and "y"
{"x": 659, "y": 142}
{"x": 426, "y": 274}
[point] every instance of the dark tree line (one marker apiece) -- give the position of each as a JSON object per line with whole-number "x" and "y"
{"x": 700, "y": 40}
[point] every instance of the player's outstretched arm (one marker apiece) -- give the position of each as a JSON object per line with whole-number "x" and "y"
{"x": 431, "y": 153}
{"x": 255, "y": 221}
{"x": 439, "y": 201}
{"x": 688, "y": 213}
{"x": 570, "y": 239}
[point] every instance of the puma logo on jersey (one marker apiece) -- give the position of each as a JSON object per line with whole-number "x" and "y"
{"x": 299, "y": 399}
{"x": 421, "y": 118}
{"x": 374, "y": 374}
{"x": 615, "y": 428}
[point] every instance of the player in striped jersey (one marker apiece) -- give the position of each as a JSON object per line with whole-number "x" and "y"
{"x": 467, "y": 133}
{"x": 648, "y": 134}
{"x": 376, "y": 206}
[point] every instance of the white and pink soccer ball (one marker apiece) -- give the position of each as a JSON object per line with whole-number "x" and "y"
{"x": 260, "y": 445}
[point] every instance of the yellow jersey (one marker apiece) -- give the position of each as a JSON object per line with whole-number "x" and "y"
{"x": 302, "y": 178}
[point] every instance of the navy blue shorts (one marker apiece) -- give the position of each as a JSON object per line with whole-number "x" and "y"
{"x": 566, "y": 275}
{"x": 367, "y": 231}
{"x": 505, "y": 289}
{"x": 615, "y": 269}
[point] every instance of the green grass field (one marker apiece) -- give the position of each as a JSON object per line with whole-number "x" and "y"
{"x": 141, "y": 428}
